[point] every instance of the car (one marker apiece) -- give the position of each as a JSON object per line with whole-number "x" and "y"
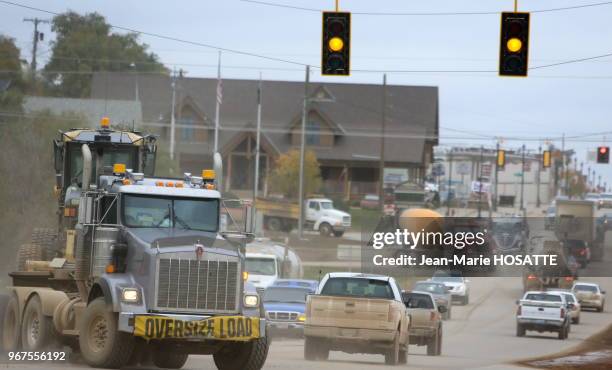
{"x": 357, "y": 313}
{"x": 509, "y": 235}
{"x": 570, "y": 298}
{"x": 440, "y": 293}
{"x": 311, "y": 285}
{"x": 459, "y": 288}
{"x": 543, "y": 312}
{"x": 370, "y": 201}
{"x": 285, "y": 308}
{"x": 590, "y": 295}
{"x": 426, "y": 324}
{"x": 551, "y": 213}
{"x": 605, "y": 200}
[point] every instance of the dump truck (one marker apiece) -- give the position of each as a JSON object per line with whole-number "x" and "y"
{"x": 144, "y": 272}
{"x": 320, "y": 215}
{"x": 562, "y": 275}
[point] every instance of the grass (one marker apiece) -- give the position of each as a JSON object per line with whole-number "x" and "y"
{"x": 364, "y": 217}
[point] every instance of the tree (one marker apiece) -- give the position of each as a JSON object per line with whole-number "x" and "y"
{"x": 84, "y": 44}
{"x": 12, "y": 83}
{"x": 286, "y": 175}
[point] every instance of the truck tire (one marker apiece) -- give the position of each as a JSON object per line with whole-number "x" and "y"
{"x": 242, "y": 356}
{"x": 274, "y": 224}
{"x": 392, "y": 354}
{"x": 37, "y": 331}
{"x": 563, "y": 333}
{"x": 100, "y": 341}
{"x": 46, "y": 240}
{"x": 439, "y": 347}
{"x": 403, "y": 355}
{"x": 28, "y": 252}
{"x": 338, "y": 234}
{"x": 310, "y": 349}
{"x": 520, "y": 330}
{"x": 10, "y": 325}
{"x": 169, "y": 360}
{"x": 325, "y": 229}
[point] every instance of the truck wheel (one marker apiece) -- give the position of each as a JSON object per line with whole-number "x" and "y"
{"x": 392, "y": 354}
{"x": 432, "y": 344}
{"x": 28, "y": 252}
{"x": 46, "y": 240}
{"x": 520, "y": 330}
{"x": 10, "y": 325}
{"x": 274, "y": 224}
{"x": 100, "y": 341}
{"x": 576, "y": 320}
{"x": 325, "y": 229}
{"x": 169, "y": 360}
{"x": 37, "y": 331}
{"x": 439, "y": 347}
{"x": 242, "y": 356}
{"x": 403, "y": 355}
{"x": 563, "y": 333}
{"x": 310, "y": 349}
{"x": 338, "y": 234}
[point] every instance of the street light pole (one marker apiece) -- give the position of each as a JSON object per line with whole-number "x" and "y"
{"x": 496, "y": 177}
{"x": 523, "y": 177}
{"x": 381, "y": 166}
{"x": 302, "y": 152}
{"x": 450, "y": 181}
{"x": 172, "y": 118}
{"x": 480, "y": 181}
{"x": 538, "y": 202}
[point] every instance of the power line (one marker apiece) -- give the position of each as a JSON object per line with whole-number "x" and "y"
{"x": 279, "y": 5}
{"x": 399, "y": 71}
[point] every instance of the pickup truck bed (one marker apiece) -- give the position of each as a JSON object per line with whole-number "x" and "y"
{"x": 542, "y": 316}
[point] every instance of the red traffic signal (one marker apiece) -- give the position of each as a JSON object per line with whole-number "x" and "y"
{"x": 603, "y": 154}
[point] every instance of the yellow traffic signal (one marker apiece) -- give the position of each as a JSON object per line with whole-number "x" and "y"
{"x": 546, "y": 159}
{"x": 514, "y": 45}
{"x": 336, "y": 44}
{"x": 501, "y": 159}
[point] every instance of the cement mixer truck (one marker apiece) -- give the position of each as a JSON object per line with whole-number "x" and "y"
{"x": 144, "y": 272}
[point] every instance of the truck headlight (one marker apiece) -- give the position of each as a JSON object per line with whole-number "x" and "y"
{"x": 251, "y": 300}
{"x": 129, "y": 295}
{"x": 302, "y": 318}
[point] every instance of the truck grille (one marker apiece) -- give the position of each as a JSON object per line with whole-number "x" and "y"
{"x": 193, "y": 285}
{"x": 283, "y": 316}
{"x": 346, "y": 220}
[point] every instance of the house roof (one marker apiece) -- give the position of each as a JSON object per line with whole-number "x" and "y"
{"x": 354, "y": 115}
{"x": 126, "y": 112}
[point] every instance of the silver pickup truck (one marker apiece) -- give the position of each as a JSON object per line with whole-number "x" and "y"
{"x": 543, "y": 312}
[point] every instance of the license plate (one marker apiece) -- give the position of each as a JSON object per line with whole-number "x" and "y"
{"x": 540, "y": 321}
{"x": 281, "y": 325}
{"x": 233, "y": 328}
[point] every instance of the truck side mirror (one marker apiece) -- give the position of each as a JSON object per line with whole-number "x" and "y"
{"x": 442, "y": 309}
{"x": 603, "y": 292}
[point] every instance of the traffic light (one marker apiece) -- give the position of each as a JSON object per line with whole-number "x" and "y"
{"x": 336, "y": 46}
{"x": 501, "y": 159}
{"x": 514, "y": 44}
{"x": 546, "y": 159}
{"x": 603, "y": 154}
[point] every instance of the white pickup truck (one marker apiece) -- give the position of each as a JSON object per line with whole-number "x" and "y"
{"x": 543, "y": 312}
{"x": 357, "y": 313}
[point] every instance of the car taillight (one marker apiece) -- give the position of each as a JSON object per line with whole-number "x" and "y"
{"x": 582, "y": 252}
{"x": 390, "y": 314}
{"x": 562, "y": 312}
{"x": 432, "y": 316}
{"x": 569, "y": 278}
{"x": 531, "y": 277}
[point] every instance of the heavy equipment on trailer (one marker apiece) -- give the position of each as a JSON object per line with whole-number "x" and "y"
{"x": 144, "y": 271}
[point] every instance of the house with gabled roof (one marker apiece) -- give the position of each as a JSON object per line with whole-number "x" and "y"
{"x": 343, "y": 126}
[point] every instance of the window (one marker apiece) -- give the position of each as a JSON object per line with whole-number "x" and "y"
{"x": 350, "y": 287}
{"x": 313, "y": 133}
{"x": 285, "y": 295}
{"x": 314, "y": 205}
{"x": 260, "y": 266}
{"x": 188, "y": 129}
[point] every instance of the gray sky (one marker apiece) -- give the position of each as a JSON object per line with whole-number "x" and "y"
{"x": 572, "y": 99}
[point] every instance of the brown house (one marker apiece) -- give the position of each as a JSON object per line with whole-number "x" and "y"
{"x": 343, "y": 126}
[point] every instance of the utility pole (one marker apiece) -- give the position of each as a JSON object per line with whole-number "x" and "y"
{"x": 257, "y": 142}
{"x": 450, "y": 181}
{"x": 522, "y": 177}
{"x": 480, "y": 181}
{"x": 173, "y": 114}
{"x": 38, "y": 36}
{"x": 381, "y": 166}
{"x": 563, "y": 162}
{"x": 302, "y": 152}
{"x": 218, "y": 105}
{"x": 496, "y": 177}
{"x": 538, "y": 202}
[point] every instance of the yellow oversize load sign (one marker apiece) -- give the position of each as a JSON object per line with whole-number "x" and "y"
{"x": 234, "y": 328}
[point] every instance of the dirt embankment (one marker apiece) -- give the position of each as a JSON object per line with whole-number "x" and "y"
{"x": 595, "y": 353}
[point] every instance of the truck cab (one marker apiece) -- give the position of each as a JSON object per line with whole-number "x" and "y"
{"x": 263, "y": 269}
{"x": 321, "y": 214}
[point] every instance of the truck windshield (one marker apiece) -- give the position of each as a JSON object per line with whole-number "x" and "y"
{"x": 166, "y": 212}
{"x": 585, "y": 288}
{"x": 286, "y": 295}
{"x": 350, "y": 287}
{"x": 327, "y": 205}
{"x": 261, "y": 266}
{"x": 431, "y": 288}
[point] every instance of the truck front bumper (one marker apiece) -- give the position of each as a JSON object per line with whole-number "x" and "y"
{"x": 192, "y": 327}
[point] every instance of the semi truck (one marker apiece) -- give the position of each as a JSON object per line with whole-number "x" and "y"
{"x": 576, "y": 221}
{"x": 144, "y": 270}
{"x": 267, "y": 261}
{"x": 320, "y": 215}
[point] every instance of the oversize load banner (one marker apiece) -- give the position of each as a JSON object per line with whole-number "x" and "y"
{"x": 234, "y": 328}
